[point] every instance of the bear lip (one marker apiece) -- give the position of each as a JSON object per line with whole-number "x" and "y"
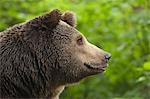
{"x": 96, "y": 66}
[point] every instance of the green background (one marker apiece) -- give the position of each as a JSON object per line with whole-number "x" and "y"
{"x": 121, "y": 27}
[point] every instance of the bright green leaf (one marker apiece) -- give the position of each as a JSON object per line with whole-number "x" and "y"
{"x": 146, "y": 65}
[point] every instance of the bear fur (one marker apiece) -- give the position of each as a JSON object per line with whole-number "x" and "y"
{"x": 38, "y": 58}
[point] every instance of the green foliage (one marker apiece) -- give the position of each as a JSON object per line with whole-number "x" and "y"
{"x": 121, "y": 27}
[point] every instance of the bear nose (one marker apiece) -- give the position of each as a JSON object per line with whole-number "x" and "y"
{"x": 107, "y": 56}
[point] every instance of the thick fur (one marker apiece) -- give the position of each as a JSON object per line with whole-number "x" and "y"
{"x": 69, "y": 17}
{"x": 39, "y": 57}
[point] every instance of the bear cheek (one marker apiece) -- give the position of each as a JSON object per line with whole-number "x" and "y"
{"x": 78, "y": 69}
{"x": 75, "y": 72}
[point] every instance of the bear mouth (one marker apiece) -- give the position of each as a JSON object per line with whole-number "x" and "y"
{"x": 97, "y": 66}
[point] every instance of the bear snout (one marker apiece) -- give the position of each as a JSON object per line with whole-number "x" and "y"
{"x": 107, "y": 56}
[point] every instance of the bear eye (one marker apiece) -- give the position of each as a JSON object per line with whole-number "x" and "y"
{"x": 80, "y": 40}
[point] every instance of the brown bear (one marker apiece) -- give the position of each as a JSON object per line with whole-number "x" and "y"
{"x": 38, "y": 58}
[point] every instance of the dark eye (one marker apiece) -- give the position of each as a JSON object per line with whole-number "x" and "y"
{"x": 80, "y": 40}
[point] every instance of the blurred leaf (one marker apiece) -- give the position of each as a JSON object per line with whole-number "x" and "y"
{"x": 146, "y": 66}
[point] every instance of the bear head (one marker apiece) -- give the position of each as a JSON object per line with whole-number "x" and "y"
{"x": 63, "y": 51}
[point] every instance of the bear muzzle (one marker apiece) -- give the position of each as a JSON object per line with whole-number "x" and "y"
{"x": 99, "y": 66}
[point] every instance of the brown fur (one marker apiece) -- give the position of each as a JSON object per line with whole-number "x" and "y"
{"x": 69, "y": 17}
{"x": 39, "y": 57}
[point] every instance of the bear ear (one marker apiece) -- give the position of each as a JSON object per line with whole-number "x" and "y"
{"x": 69, "y": 18}
{"x": 46, "y": 21}
{"x": 52, "y": 18}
